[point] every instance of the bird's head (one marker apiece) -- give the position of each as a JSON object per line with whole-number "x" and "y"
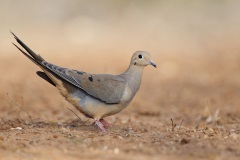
{"x": 142, "y": 58}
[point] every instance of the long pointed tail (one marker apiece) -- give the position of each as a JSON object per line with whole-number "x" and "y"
{"x": 36, "y": 58}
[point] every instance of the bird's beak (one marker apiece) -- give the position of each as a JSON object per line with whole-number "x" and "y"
{"x": 153, "y": 64}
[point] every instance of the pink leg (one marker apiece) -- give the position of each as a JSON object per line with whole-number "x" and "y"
{"x": 101, "y": 126}
{"x": 105, "y": 123}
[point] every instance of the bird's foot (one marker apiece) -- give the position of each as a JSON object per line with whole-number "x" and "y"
{"x": 105, "y": 123}
{"x": 101, "y": 126}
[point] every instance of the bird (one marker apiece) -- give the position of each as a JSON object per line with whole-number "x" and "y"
{"x": 94, "y": 95}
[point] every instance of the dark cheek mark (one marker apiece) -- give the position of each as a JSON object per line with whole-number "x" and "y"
{"x": 90, "y": 78}
{"x": 135, "y": 63}
{"x": 98, "y": 80}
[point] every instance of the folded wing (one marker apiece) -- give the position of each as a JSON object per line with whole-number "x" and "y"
{"x": 107, "y": 88}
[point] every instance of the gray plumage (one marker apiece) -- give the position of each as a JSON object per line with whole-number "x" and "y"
{"x": 94, "y": 95}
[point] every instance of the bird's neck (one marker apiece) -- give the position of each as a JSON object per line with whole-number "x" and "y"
{"x": 134, "y": 76}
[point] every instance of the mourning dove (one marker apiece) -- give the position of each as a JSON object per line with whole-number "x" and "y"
{"x": 95, "y": 95}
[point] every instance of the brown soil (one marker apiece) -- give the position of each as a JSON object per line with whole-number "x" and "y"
{"x": 187, "y": 108}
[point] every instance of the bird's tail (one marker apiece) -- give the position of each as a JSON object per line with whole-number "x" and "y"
{"x": 35, "y": 58}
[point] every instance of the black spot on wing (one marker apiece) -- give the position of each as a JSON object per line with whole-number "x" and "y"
{"x": 90, "y": 78}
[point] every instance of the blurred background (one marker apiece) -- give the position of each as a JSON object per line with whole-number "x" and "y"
{"x": 194, "y": 43}
{"x": 122, "y": 26}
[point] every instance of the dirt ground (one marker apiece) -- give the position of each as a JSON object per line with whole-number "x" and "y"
{"x": 187, "y": 108}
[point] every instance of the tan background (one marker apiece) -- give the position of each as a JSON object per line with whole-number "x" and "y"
{"x": 194, "y": 43}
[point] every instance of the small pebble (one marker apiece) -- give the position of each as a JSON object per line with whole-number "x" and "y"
{"x": 234, "y": 136}
{"x": 116, "y": 150}
{"x": 55, "y": 136}
{"x": 17, "y": 128}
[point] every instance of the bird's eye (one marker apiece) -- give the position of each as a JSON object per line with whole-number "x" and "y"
{"x": 140, "y": 56}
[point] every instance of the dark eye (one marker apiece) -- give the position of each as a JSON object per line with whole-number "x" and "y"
{"x": 140, "y": 56}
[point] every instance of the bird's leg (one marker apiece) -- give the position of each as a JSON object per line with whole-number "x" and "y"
{"x": 101, "y": 126}
{"x": 105, "y": 123}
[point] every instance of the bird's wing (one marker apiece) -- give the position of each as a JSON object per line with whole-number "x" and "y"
{"x": 107, "y": 88}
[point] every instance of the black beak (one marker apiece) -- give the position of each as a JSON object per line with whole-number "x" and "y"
{"x": 153, "y": 64}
